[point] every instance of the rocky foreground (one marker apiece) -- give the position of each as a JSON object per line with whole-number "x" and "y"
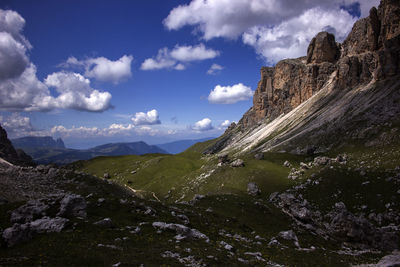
{"x": 53, "y": 216}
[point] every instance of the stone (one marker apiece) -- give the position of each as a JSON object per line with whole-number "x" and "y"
{"x": 181, "y": 230}
{"x": 304, "y": 166}
{"x": 106, "y": 223}
{"x": 226, "y": 245}
{"x": 223, "y": 159}
{"x": 252, "y": 189}
{"x": 106, "y": 175}
{"x": 321, "y": 161}
{"x": 259, "y": 156}
{"x": 197, "y": 197}
{"x": 48, "y": 225}
{"x": 72, "y": 206}
{"x": 290, "y": 236}
{"x": 17, "y": 234}
{"x": 33, "y": 209}
{"x": 237, "y": 163}
{"x": 392, "y": 260}
{"x": 287, "y": 164}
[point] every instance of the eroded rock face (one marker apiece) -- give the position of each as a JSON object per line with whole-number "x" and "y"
{"x": 371, "y": 51}
{"x": 323, "y": 48}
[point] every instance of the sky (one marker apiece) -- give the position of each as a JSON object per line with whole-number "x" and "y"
{"x": 94, "y": 72}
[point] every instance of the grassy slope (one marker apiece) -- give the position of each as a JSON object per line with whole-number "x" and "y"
{"x": 78, "y": 245}
{"x": 190, "y": 173}
{"x": 235, "y": 213}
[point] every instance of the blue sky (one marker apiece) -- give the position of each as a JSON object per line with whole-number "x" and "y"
{"x": 107, "y": 71}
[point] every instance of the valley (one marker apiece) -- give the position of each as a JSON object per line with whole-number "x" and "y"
{"x": 310, "y": 176}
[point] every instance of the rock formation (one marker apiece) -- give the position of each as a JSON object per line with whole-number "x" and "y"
{"x": 7, "y": 151}
{"x": 369, "y": 56}
{"x": 371, "y": 51}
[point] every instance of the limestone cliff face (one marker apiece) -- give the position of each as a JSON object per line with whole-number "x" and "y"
{"x": 292, "y": 81}
{"x": 337, "y": 74}
{"x": 369, "y": 52}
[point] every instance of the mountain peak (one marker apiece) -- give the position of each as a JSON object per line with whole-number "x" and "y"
{"x": 368, "y": 58}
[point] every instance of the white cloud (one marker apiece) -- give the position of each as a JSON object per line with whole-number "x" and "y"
{"x": 76, "y": 93}
{"x": 146, "y": 130}
{"x": 25, "y": 92}
{"x": 202, "y": 125}
{"x": 21, "y": 90}
{"x": 180, "y": 67}
{"x": 13, "y": 59}
{"x": 193, "y": 53}
{"x": 12, "y": 23}
{"x": 291, "y": 38}
{"x": 178, "y": 57}
{"x": 230, "y": 94}
{"x": 214, "y": 69}
{"x": 149, "y": 118}
{"x": 103, "y": 69}
{"x": 225, "y": 124}
{"x": 16, "y": 125}
{"x": 163, "y": 60}
{"x": 231, "y": 18}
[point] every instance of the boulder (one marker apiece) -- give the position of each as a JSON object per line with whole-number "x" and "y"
{"x": 106, "y": 223}
{"x": 237, "y": 163}
{"x": 259, "y": 156}
{"x": 223, "y": 159}
{"x": 48, "y": 225}
{"x": 321, "y": 161}
{"x": 252, "y": 189}
{"x": 33, "y": 209}
{"x": 181, "y": 230}
{"x": 72, "y": 206}
{"x": 17, "y": 234}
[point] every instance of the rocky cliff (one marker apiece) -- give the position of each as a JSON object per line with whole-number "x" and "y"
{"x": 369, "y": 52}
{"x": 8, "y": 153}
{"x": 370, "y": 56}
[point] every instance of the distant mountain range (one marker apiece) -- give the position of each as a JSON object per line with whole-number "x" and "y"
{"x": 181, "y": 145}
{"x": 45, "y": 150}
{"x": 37, "y": 142}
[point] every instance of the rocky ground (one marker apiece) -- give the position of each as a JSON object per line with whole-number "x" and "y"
{"x": 53, "y": 216}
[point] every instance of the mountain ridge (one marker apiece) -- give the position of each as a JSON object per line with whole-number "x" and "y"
{"x": 325, "y": 92}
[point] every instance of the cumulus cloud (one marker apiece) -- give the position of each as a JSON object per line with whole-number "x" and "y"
{"x": 103, "y": 69}
{"x": 75, "y": 93}
{"x": 16, "y": 125}
{"x": 231, "y": 18}
{"x": 230, "y": 94}
{"x": 178, "y": 57}
{"x": 225, "y": 124}
{"x": 148, "y": 118}
{"x": 214, "y": 69}
{"x": 202, "y": 125}
{"x": 13, "y": 59}
{"x": 21, "y": 90}
{"x": 291, "y": 38}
